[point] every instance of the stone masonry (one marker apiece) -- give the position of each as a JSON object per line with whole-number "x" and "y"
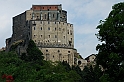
{"x": 47, "y": 26}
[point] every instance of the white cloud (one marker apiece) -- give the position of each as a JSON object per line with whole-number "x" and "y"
{"x": 85, "y": 29}
{"x": 86, "y": 45}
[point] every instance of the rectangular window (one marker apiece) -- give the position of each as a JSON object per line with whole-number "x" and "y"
{"x": 68, "y": 31}
{"x": 46, "y": 50}
{"x": 55, "y": 36}
{"x": 48, "y": 22}
{"x": 53, "y": 15}
{"x": 55, "y": 28}
{"x": 59, "y": 29}
{"x": 49, "y": 16}
{"x": 45, "y": 16}
{"x": 48, "y": 36}
{"x": 48, "y": 28}
{"x": 41, "y": 17}
{"x": 41, "y": 28}
{"x": 64, "y": 37}
{"x": 34, "y": 28}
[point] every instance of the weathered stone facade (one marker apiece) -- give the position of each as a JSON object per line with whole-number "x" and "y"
{"x": 47, "y": 26}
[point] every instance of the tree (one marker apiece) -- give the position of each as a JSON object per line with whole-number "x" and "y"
{"x": 111, "y": 34}
{"x": 33, "y": 53}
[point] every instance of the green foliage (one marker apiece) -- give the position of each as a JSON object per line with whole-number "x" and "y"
{"x": 24, "y": 71}
{"x": 15, "y": 45}
{"x": 33, "y": 52}
{"x": 110, "y": 52}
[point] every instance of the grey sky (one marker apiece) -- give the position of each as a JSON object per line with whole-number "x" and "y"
{"x": 83, "y": 14}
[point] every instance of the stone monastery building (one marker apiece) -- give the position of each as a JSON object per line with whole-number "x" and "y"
{"x": 47, "y": 26}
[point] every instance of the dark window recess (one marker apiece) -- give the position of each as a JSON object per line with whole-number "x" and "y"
{"x": 49, "y": 36}
{"x": 41, "y": 28}
{"x": 45, "y": 16}
{"x": 48, "y": 28}
{"x": 48, "y": 22}
{"x": 79, "y": 62}
{"x": 55, "y": 36}
{"x": 68, "y": 51}
{"x": 64, "y": 37}
{"x": 46, "y": 50}
{"x": 59, "y": 29}
{"x": 34, "y": 28}
{"x": 34, "y": 24}
{"x": 68, "y": 31}
{"x": 53, "y": 15}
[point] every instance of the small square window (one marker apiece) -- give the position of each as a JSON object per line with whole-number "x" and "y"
{"x": 64, "y": 37}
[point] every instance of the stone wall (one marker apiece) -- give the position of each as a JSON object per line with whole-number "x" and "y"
{"x": 59, "y": 54}
{"x": 46, "y": 32}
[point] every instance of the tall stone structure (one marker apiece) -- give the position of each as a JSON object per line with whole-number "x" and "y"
{"x": 47, "y": 26}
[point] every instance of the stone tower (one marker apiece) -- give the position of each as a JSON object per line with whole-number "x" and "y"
{"x": 47, "y": 26}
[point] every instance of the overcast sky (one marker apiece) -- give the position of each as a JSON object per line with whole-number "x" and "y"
{"x": 83, "y": 14}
